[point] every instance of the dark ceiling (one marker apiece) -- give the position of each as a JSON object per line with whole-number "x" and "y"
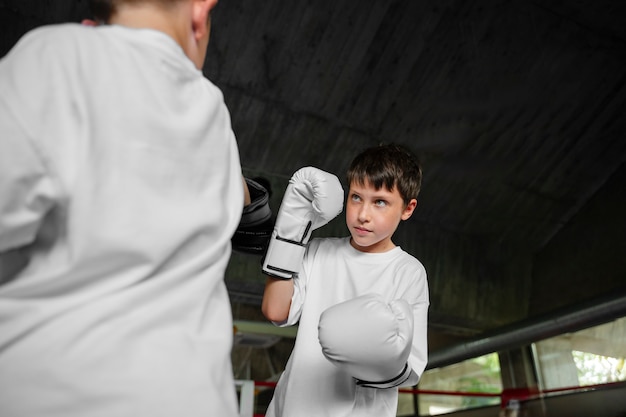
{"x": 516, "y": 108}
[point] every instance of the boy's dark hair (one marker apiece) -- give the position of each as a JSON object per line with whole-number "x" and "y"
{"x": 390, "y": 166}
{"x": 102, "y": 10}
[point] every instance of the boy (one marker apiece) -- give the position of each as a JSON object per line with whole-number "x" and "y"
{"x": 361, "y": 302}
{"x": 120, "y": 186}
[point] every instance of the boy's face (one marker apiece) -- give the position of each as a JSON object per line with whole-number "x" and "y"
{"x": 372, "y": 216}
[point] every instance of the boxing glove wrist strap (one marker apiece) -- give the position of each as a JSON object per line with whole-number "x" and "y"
{"x": 391, "y": 383}
{"x": 284, "y": 258}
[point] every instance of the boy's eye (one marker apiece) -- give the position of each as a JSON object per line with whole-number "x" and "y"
{"x": 355, "y": 197}
{"x": 381, "y": 203}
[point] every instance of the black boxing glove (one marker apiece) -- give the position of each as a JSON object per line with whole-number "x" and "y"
{"x": 256, "y": 225}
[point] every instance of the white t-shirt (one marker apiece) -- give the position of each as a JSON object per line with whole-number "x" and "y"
{"x": 120, "y": 181}
{"x": 333, "y": 272}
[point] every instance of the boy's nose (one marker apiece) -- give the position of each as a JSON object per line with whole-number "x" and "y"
{"x": 364, "y": 213}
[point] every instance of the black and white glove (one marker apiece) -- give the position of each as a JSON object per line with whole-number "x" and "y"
{"x": 312, "y": 199}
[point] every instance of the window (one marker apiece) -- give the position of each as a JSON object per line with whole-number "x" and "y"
{"x": 479, "y": 375}
{"x": 592, "y": 356}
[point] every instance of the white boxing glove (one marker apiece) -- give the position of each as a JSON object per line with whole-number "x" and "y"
{"x": 369, "y": 339}
{"x": 312, "y": 199}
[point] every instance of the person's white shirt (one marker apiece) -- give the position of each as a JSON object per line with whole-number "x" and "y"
{"x": 120, "y": 183}
{"x": 333, "y": 272}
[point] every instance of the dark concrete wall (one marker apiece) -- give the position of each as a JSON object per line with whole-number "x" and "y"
{"x": 588, "y": 257}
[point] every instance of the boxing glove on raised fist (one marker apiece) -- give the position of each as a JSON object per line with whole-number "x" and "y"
{"x": 312, "y": 199}
{"x": 369, "y": 339}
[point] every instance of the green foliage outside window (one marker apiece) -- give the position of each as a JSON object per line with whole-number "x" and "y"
{"x": 488, "y": 381}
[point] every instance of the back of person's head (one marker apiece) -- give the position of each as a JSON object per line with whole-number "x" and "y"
{"x": 103, "y": 10}
{"x": 390, "y": 166}
{"x": 188, "y": 22}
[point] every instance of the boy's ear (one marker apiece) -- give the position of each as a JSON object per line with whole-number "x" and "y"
{"x": 409, "y": 209}
{"x": 200, "y": 17}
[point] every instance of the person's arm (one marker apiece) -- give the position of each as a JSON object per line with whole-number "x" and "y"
{"x": 312, "y": 199}
{"x": 277, "y": 299}
{"x": 246, "y": 192}
{"x": 419, "y": 351}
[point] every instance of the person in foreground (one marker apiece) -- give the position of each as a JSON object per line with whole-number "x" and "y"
{"x": 361, "y": 301}
{"x": 120, "y": 188}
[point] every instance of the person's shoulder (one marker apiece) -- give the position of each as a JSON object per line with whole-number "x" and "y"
{"x": 42, "y": 52}
{"x": 50, "y": 40}
{"x": 410, "y": 276}
{"x": 56, "y": 32}
{"x": 410, "y": 262}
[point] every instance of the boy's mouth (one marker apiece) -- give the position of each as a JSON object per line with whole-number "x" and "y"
{"x": 361, "y": 230}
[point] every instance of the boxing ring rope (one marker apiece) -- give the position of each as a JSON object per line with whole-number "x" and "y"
{"x": 270, "y": 384}
{"x": 519, "y": 394}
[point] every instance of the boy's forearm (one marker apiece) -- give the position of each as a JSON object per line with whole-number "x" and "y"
{"x": 277, "y": 299}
